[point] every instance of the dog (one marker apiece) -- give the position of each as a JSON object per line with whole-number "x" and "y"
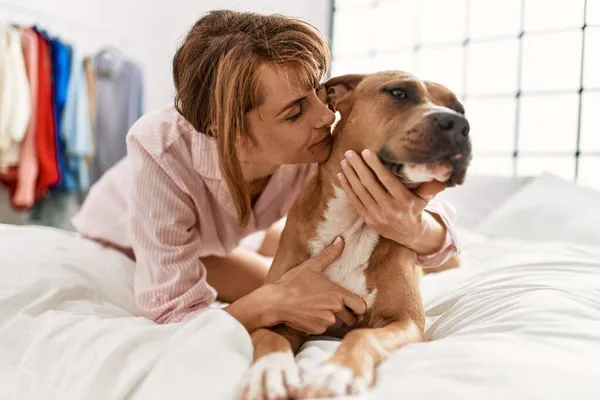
{"x": 419, "y": 131}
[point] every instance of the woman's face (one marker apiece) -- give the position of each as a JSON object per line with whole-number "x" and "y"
{"x": 292, "y": 126}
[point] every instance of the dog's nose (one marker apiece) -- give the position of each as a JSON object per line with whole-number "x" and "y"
{"x": 454, "y": 125}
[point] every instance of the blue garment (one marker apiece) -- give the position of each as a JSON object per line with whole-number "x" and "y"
{"x": 77, "y": 127}
{"x": 119, "y": 103}
{"x": 61, "y": 70}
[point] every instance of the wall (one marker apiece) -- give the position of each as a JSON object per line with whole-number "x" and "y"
{"x": 147, "y": 31}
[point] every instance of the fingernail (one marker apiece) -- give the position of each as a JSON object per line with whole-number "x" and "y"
{"x": 366, "y": 152}
{"x": 337, "y": 240}
{"x": 349, "y": 153}
{"x": 344, "y": 163}
{"x": 339, "y": 176}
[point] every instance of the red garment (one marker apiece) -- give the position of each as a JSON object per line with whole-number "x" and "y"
{"x": 45, "y": 136}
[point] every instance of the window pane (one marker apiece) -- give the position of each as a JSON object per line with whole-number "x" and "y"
{"x": 494, "y": 18}
{"x": 492, "y": 67}
{"x": 591, "y": 72}
{"x": 563, "y": 167}
{"x": 443, "y": 21}
{"x": 588, "y": 172}
{"x": 400, "y": 61}
{"x": 443, "y": 65}
{"x": 352, "y": 31}
{"x": 484, "y": 165}
{"x": 548, "y": 123}
{"x": 396, "y": 25}
{"x": 551, "y": 61}
{"x": 351, "y": 65}
{"x": 492, "y": 124}
{"x": 593, "y": 12}
{"x": 590, "y": 122}
{"x": 540, "y": 15}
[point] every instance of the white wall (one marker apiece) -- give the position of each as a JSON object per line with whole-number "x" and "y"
{"x": 146, "y": 30}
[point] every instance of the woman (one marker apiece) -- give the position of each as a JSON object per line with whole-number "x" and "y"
{"x": 228, "y": 160}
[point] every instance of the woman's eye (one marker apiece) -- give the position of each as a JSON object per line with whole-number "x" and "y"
{"x": 296, "y": 116}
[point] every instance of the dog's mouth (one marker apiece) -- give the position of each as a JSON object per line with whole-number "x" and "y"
{"x": 442, "y": 169}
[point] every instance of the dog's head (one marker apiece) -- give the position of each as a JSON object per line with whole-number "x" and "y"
{"x": 417, "y": 128}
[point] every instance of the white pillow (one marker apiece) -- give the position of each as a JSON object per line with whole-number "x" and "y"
{"x": 548, "y": 209}
{"x": 480, "y": 195}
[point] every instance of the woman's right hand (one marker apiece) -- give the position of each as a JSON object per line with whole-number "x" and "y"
{"x": 305, "y": 300}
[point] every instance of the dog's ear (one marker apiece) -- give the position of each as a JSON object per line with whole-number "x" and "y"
{"x": 339, "y": 86}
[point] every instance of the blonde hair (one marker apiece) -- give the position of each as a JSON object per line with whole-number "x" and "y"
{"x": 216, "y": 74}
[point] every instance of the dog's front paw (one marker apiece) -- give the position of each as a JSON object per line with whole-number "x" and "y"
{"x": 274, "y": 377}
{"x": 330, "y": 380}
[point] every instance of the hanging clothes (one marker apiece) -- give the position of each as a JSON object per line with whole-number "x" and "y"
{"x": 15, "y": 97}
{"x": 45, "y": 135}
{"x": 21, "y": 178}
{"x": 61, "y": 71}
{"x": 90, "y": 77}
{"x": 77, "y": 127}
{"x": 119, "y": 94}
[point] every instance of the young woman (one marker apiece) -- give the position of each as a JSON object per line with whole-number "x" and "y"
{"x": 227, "y": 160}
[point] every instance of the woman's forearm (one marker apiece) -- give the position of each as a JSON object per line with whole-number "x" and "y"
{"x": 433, "y": 237}
{"x": 237, "y": 274}
{"x": 254, "y": 310}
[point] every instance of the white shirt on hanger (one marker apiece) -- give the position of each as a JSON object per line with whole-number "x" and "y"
{"x": 15, "y": 100}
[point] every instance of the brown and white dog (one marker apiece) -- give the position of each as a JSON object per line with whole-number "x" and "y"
{"x": 419, "y": 131}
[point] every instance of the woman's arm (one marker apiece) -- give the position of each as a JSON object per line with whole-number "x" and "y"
{"x": 170, "y": 279}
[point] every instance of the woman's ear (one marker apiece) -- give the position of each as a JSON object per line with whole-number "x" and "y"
{"x": 338, "y": 87}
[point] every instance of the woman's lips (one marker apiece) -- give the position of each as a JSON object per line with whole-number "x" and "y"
{"x": 326, "y": 139}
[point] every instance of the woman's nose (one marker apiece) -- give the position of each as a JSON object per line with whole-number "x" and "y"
{"x": 327, "y": 117}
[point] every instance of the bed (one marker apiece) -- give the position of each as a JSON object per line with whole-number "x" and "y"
{"x": 519, "y": 320}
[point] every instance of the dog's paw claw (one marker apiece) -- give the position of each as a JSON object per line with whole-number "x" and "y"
{"x": 330, "y": 380}
{"x": 273, "y": 377}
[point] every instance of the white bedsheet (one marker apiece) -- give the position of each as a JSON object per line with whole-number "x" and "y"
{"x": 518, "y": 321}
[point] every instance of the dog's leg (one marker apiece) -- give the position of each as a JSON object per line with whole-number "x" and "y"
{"x": 274, "y": 373}
{"x": 396, "y": 319}
{"x": 351, "y": 370}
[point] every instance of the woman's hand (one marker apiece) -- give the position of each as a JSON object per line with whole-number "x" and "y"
{"x": 389, "y": 207}
{"x": 303, "y": 299}
{"x": 309, "y": 302}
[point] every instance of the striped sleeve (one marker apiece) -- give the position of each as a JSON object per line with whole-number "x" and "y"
{"x": 170, "y": 280}
{"x": 450, "y": 248}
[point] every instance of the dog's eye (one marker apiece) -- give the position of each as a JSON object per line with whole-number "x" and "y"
{"x": 399, "y": 93}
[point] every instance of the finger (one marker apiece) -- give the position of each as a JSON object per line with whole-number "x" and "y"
{"x": 354, "y": 302}
{"x": 428, "y": 190}
{"x": 386, "y": 177}
{"x": 328, "y": 255}
{"x": 368, "y": 178}
{"x": 346, "y": 316}
{"x": 352, "y": 198}
{"x": 357, "y": 186}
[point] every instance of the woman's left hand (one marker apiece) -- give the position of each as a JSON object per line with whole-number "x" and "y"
{"x": 389, "y": 207}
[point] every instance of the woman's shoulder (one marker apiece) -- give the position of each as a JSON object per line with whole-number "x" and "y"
{"x": 159, "y": 130}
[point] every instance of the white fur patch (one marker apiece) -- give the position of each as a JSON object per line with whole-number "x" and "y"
{"x": 426, "y": 172}
{"x": 281, "y": 375}
{"x": 332, "y": 380}
{"x": 348, "y": 270}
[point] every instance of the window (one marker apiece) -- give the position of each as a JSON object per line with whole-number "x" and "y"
{"x": 528, "y": 73}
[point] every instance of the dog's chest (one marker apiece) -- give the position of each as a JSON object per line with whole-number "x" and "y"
{"x": 348, "y": 270}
